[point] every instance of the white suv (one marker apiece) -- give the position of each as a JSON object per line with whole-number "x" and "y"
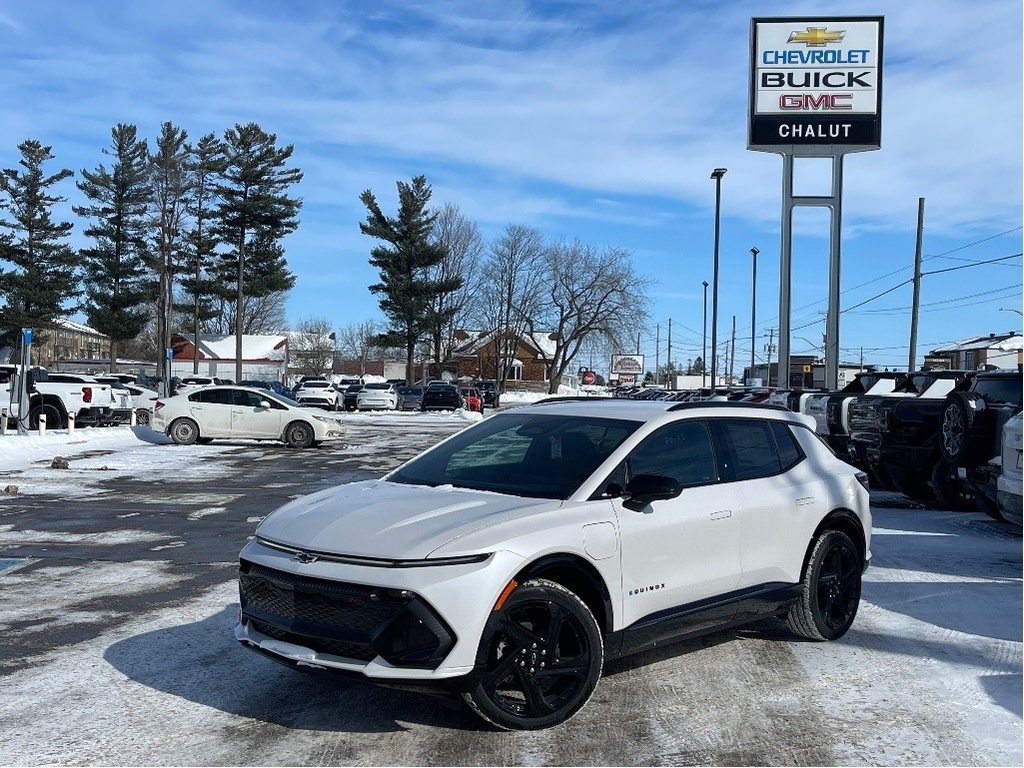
{"x": 509, "y": 562}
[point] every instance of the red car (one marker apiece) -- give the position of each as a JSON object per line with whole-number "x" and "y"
{"x": 472, "y": 398}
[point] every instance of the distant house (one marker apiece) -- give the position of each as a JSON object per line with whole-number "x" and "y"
{"x": 999, "y": 350}
{"x": 481, "y": 354}
{"x": 66, "y": 340}
{"x": 264, "y": 357}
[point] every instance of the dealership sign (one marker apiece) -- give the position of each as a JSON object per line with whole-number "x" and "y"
{"x": 627, "y": 364}
{"x": 815, "y": 82}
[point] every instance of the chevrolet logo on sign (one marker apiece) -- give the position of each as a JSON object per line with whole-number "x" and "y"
{"x": 816, "y": 37}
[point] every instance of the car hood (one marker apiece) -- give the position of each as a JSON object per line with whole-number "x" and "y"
{"x": 390, "y": 520}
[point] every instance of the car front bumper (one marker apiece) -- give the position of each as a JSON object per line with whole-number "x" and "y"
{"x": 371, "y": 620}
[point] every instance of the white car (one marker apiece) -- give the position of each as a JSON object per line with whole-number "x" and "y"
{"x": 228, "y": 411}
{"x": 1009, "y": 482}
{"x": 374, "y": 397}
{"x": 509, "y": 562}
{"x": 190, "y": 383}
{"x": 319, "y": 393}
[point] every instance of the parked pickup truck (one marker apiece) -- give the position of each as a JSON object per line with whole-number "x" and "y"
{"x": 88, "y": 401}
{"x": 895, "y": 436}
{"x": 971, "y": 437}
{"x": 831, "y": 410}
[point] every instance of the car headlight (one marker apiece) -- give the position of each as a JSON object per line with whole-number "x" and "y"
{"x": 325, "y": 420}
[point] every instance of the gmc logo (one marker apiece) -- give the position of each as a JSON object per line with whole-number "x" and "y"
{"x": 807, "y": 101}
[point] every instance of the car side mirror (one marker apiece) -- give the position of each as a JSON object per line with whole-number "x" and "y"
{"x": 265, "y": 404}
{"x": 643, "y": 489}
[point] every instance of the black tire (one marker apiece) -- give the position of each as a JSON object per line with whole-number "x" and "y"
{"x": 831, "y": 589}
{"x": 910, "y": 485}
{"x": 142, "y": 416}
{"x": 960, "y": 428}
{"x": 989, "y": 506}
{"x": 299, "y": 434}
{"x": 53, "y": 417}
{"x": 184, "y": 431}
{"x": 949, "y": 492}
{"x": 540, "y": 659}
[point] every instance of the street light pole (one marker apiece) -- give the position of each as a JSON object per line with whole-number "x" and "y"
{"x": 717, "y": 175}
{"x": 704, "y": 353}
{"x": 753, "y": 309}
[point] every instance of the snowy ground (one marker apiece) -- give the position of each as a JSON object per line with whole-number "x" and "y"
{"x": 119, "y": 598}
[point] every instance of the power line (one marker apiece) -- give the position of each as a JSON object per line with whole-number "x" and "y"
{"x": 945, "y": 255}
{"x": 972, "y": 264}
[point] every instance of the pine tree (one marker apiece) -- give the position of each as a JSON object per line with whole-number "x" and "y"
{"x": 254, "y": 204}
{"x": 199, "y": 288}
{"x": 44, "y": 278}
{"x": 118, "y": 289}
{"x": 405, "y": 287}
{"x": 171, "y": 183}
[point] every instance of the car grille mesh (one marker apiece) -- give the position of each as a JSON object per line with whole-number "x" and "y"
{"x": 330, "y": 617}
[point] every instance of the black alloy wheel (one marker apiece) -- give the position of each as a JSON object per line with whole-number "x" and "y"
{"x": 142, "y": 416}
{"x": 831, "y": 589}
{"x": 540, "y": 659}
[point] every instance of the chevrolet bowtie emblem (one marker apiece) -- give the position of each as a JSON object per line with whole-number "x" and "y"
{"x": 816, "y": 37}
{"x": 306, "y": 557}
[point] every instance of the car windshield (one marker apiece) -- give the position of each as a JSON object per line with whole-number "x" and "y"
{"x": 410, "y": 391}
{"x": 524, "y": 454}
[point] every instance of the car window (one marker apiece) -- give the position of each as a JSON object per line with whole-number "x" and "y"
{"x": 216, "y": 396}
{"x": 524, "y": 454}
{"x": 749, "y": 448}
{"x": 789, "y": 450}
{"x": 682, "y": 451}
{"x": 999, "y": 389}
{"x": 247, "y": 399}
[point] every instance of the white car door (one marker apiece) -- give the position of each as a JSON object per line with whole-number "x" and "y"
{"x": 211, "y": 410}
{"x": 250, "y": 419}
{"x": 677, "y": 552}
{"x": 780, "y": 498}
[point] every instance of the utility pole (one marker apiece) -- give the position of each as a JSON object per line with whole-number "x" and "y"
{"x": 917, "y": 286}
{"x": 670, "y": 371}
{"x": 732, "y": 352}
{"x": 657, "y": 350}
{"x": 753, "y": 309}
{"x": 769, "y": 348}
{"x": 638, "y": 342}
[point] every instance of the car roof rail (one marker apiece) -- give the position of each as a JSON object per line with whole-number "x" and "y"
{"x": 693, "y": 404}
{"x": 576, "y": 399}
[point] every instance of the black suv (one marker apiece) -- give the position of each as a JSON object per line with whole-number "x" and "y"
{"x": 441, "y": 397}
{"x": 489, "y": 392}
{"x": 971, "y": 430}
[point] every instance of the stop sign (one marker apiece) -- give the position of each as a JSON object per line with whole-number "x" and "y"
{"x": 589, "y": 377}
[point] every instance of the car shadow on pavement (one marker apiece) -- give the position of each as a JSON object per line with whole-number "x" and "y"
{"x": 203, "y": 663}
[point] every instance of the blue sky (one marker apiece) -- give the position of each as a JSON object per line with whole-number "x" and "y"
{"x": 592, "y": 120}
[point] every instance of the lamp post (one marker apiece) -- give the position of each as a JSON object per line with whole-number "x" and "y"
{"x": 704, "y": 352}
{"x": 717, "y": 175}
{"x": 753, "y": 309}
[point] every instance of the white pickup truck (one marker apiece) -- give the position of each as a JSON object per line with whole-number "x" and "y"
{"x": 89, "y": 401}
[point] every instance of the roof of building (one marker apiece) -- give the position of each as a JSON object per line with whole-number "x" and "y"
{"x": 1000, "y": 341}
{"x": 477, "y": 340}
{"x": 254, "y": 346}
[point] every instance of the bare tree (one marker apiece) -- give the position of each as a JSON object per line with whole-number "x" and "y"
{"x": 510, "y": 281}
{"x": 460, "y": 239}
{"x": 260, "y": 314}
{"x": 357, "y": 341}
{"x": 589, "y": 296}
{"x": 311, "y": 347}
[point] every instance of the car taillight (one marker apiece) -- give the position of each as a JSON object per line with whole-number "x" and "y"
{"x": 158, "y": 405}
{"x": 862, "y": 478}
{"x": 86, "y": 394}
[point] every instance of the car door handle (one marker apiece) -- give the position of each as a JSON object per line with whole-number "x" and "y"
{"x": 721, "y": 514}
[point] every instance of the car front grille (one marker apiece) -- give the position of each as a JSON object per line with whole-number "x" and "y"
{"x": 329, "y": 617}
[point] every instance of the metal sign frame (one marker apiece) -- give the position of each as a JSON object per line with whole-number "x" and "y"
{"x": 831, "y": 149}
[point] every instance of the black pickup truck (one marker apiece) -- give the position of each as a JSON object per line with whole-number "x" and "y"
{"x": 970, "y": 434}
{"x": 895, "y": 436}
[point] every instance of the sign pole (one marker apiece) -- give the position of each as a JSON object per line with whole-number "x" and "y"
{"x": 832, "y": 319}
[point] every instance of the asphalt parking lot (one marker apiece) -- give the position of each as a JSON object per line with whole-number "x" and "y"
{"x": 118, "y": 607}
